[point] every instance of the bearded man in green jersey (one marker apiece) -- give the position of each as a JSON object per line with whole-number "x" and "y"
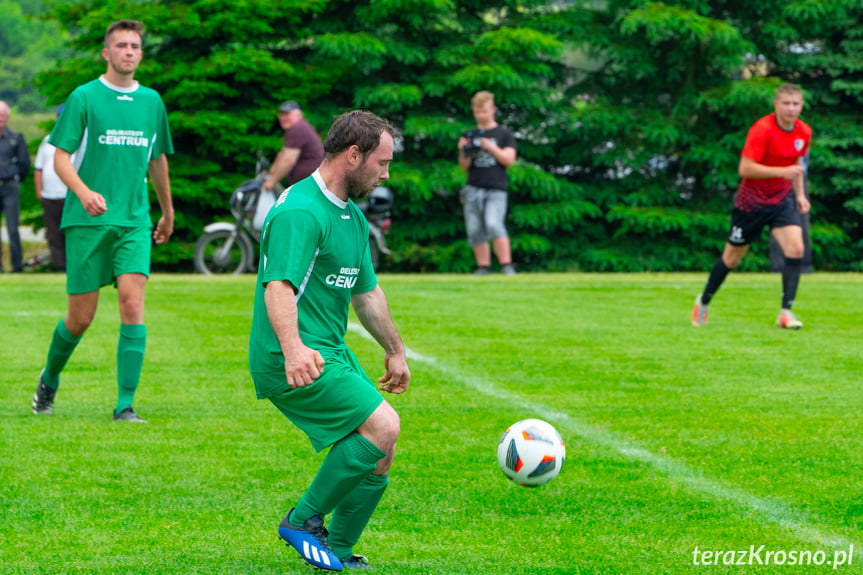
{"x": 118, "y": 131}
{"x": 315, "y": 263}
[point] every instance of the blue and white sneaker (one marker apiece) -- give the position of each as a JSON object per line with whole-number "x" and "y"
{"x": 356, "y": 562}
{"x": 310, "y": 541}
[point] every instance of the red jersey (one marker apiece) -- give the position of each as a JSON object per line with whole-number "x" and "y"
{"x": 769, "y": 145}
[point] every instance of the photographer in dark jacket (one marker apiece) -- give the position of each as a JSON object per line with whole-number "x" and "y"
{"x": 485, "y": 154}
{"x": 14, "y": 167}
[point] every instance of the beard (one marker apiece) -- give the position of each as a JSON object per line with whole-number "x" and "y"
{"x": 357, "y": 186}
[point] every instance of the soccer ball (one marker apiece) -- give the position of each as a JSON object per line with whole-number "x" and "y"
{"x": 531, "y": 452}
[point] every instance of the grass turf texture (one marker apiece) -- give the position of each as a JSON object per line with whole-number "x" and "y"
{"x": 720, "y": 437}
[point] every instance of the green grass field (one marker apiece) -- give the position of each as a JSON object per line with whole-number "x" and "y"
{"x": 719, "y": 438}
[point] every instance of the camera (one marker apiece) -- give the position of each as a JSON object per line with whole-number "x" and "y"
{"x": 474, "y": 145}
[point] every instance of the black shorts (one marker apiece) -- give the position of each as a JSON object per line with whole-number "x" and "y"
{"x": 746, "y": 227}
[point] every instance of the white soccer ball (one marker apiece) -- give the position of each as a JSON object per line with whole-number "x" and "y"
{"x": 531, "y": 452}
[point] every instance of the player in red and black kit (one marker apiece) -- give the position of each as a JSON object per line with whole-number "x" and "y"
{"x": 770, "y": 168}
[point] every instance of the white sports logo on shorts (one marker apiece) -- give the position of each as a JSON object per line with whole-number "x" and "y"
{"x": 736, "y": 234}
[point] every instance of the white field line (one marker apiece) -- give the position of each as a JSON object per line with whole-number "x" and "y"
{"x": 58, "y": 313}
{"x": 772, "y": 510}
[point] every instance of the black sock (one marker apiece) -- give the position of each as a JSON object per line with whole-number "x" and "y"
{"x": 717, "y": 276}
{"x": 790, "y": 281}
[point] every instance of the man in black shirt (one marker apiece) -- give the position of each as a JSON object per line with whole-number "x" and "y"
{"x": 485, "y": 154}
{"x": 14, "y": 167}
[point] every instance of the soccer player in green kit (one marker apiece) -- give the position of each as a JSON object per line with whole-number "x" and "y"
{"x": 119, "y": 133}
{"x": 315, "y": 263}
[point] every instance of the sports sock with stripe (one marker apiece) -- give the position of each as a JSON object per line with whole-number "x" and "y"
{"x": 63, "y": 343}
{"x": 130, "y": 360}
{"x": 348, "y": 463}
{"x": 353, "y": 513}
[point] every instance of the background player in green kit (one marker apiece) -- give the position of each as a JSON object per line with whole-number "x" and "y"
{"x": 315, "y": 263}
{"x": 119, "y": 133}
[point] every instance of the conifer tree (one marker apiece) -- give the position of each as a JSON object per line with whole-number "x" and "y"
{"x": 630, "y": 115}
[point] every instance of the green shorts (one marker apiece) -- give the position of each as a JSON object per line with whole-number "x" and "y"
{"x": 334, "y": 406}
{"x": 96, "y": 255}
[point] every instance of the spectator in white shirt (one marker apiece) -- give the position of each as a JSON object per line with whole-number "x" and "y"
{"x": 51, "y": 193}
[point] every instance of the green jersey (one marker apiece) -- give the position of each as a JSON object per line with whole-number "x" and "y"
{"x": 114, "y": 132}
{"x": 320, "y": 244}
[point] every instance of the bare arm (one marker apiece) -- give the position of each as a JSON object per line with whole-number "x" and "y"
{"x": 374, "y": 313}
{"x": 800, "y": 191}
{"x": 303, "y": 365}
{"x": 37, "y": 183}
{"x": 464, "y": 161}
{"x": 749, "y": 168}
{"x": 93, "y": 202}
{"x": 282, "y": 166}
{"x": 158, "y": 173}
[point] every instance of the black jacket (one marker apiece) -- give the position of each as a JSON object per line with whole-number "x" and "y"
{"x": 14, "y": 155}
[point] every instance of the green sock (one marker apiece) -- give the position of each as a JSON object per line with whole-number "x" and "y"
{"x": 352, "y": 514}
{"x": 62, "y": 345}
{"x": 348, "y": 463}
{"x": 130, "y": 359}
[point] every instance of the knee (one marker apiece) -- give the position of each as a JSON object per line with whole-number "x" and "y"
{"x": 382, "y": 427}
{"x": 77, "y": 322}
{"x": 795, "y": 250}
{"x": 497, "y": 230}
{"x": 731, "y": 261}
{"x": 732, "y": 255}
{"x": 388, "y": 426}
{"x": 391, "y": 425}
{"x": 475, "y": 231}
{"x": 131, "y": 310}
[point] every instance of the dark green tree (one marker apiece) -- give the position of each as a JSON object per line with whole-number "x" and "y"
{"x": 630, "y": 114}
{"x": 665, "y": 113}
{"x": 28, "y": 45}
{"x": 419, "y": 63}
{"x": 221, "y": 68}
{"x": 822, "y": 52}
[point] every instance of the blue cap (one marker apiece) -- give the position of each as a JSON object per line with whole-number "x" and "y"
{"x": 60, "y": 108}
{"x": 288, "y": 106}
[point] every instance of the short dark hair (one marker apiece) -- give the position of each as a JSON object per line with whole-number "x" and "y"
{"x": 132, "y": 25}
{"x": 359, "y": 128}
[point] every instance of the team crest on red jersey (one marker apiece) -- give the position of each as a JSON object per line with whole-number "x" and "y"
{"x": 798, "y": 144}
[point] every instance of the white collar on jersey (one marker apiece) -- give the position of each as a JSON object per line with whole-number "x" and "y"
{"x": 118, "y": 88}
{"x": 330, "y": 196}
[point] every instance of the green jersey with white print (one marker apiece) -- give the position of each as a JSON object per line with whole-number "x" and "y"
{"x": 114, "y": 133}
{"x": 320, "y": 244}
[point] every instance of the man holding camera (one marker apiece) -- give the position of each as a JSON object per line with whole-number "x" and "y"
{"x": 485, "y": 154}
